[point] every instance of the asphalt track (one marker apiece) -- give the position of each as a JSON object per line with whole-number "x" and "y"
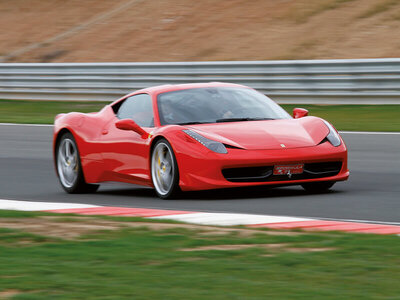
{"x": 372, "y": 192}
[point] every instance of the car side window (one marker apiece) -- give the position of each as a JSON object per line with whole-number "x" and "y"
{"x": 139, "y": 108}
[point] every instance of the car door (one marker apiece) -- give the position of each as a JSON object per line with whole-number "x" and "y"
{"x": 125, "y": 152}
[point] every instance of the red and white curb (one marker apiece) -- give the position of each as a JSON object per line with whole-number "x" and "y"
{"x": 205, "y": 218}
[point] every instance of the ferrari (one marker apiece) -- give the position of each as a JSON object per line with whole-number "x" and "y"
{"x": 190, "y": 137}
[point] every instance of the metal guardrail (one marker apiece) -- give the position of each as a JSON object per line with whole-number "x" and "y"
{"x": 362, "y": 81}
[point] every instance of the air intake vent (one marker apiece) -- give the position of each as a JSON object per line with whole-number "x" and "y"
{"x": 264, "y": 174}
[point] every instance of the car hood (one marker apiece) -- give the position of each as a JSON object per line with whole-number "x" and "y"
{"x": 269, "y": 134}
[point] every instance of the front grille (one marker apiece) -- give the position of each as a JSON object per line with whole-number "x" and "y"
{"x": 264, "y": 174}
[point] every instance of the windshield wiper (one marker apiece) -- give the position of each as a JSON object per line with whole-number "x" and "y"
{"x": 225, "y": 120}
{"x": 241, "y": 119}
{"x": 191, "y": 123}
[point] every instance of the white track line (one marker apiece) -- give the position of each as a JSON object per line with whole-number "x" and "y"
{"x": 226, "y": 219}
{"x": 361, "y": 221}
{"x": 38, "y": 206}
{"x": 367, "y": 132}
{"x": 31, "y": 125}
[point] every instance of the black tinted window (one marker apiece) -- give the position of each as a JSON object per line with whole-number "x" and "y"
{"x": 215, "y": 104}
{"x": 139, "y": 108}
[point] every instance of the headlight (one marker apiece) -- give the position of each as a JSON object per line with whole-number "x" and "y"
{"x": 333, "y": 136}
{"x": 210, "y": 144}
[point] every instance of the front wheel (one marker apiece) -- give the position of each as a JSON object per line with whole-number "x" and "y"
{"x": 318, "y": 187}
{"x": 164, "y": 170}
{"x": 69, "y": 167}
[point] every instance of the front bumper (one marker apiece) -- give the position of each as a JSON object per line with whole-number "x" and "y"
{"x": 203, "y": 170}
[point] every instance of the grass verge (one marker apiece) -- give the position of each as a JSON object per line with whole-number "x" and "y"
{"x": 41, "y": 112}
{"x": 356, "y": 117}
{"x": 344, "y": 117}
{"x": 113, "y": 259}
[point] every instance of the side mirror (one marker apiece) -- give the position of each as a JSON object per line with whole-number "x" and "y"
{"x": 299, "y": 113}
{"x": 128, "y": 124}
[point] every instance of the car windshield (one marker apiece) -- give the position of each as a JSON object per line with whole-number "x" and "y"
{"x": 216, "y": 104}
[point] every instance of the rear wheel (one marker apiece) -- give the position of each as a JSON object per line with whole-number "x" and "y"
{"x": 164, "y": 170}
{"x": 69, "y": 167}
{"x": 318, "y": 187}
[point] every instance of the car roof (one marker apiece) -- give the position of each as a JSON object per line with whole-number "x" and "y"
{"x": 174, "y": 87}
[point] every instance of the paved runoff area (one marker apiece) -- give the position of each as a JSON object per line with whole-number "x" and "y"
{"x": 205, "y": 218}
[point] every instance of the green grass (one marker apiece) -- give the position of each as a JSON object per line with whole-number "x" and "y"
{"x": 70, "y": 217}
{"x": 344, "y": 117}
{"x": 356, "y": 117}
{"x": 41, "y": 112}
{"x": 139, "y": 263}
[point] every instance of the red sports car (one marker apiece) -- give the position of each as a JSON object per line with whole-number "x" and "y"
{"x": 196, "y": 137}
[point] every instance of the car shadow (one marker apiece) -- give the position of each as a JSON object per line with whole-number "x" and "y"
{"x": 264, "y": 192}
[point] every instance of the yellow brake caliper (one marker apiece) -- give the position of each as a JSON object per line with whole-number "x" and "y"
{"x": 159, "y": 164}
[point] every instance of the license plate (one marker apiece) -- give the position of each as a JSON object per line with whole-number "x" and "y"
{"x": 288, "y": 169}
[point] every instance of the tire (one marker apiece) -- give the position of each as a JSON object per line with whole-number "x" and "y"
{"x": 318, "y": 187}
{"x": 164, "y": 170}
{"x": 69, "y": 167}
